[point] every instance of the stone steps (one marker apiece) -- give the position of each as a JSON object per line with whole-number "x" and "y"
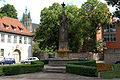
{"x": 54, "y": 69}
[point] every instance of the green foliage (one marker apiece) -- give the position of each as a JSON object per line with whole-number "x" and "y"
{"x": 85, "y": 68}
{"x": 42, "y": 61}
{"x": 47, "y": 33}
{"x": 112, "y": 74}
{"x": 1, "y": 72}
{"x": 21, "y": 69}
{"x": 85, "y": 62}
{"x": 115, "y": 3}
{"x": 45, "y": 61}
{"x": 100, "y": 45}
{"x": 36, "y": 48}
{"x": 82, "y": 23}
{"x": 8, "y": 10}
{"x": 119, "y": 24}
{"x": 81, "y": 70}
{"x": 95, "y": 15}
{"x": 48, "y": 50}
{"x": 37, "y": 62}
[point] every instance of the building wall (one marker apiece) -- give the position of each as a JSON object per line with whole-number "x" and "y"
{"x": 111, "y": 58}
{"x": 115, "y": 44}
{"x": 112, "y": 54}
{"x": 9, "y": 48}
{"x": 99, "y": 34}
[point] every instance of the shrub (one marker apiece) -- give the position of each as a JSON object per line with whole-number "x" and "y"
{"x": 82, "y": 67}
{"x": 81, "y": 70}
{"x": 1, "y": 72}
{"x": 86, "y": 62}
{"x": 45, "y": 61}
{"x": 37, "y": 62}
{"x": 21, "y": 69}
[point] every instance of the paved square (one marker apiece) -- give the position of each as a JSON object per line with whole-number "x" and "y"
{"x": 49, "y": 76}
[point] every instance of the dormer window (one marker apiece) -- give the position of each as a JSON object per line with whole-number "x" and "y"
{"x": 13, "y": 27}
{"x": 6, "y": 26}
{"x": 20, "y": 29}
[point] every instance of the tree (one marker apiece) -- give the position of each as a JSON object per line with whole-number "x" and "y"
{"x": 47, "y": 33}
{"x": 96, "y": 15}
{"x": 9, "y": 10}
{"x": 82, "y": 23}
{"x": 115, "y": 3}
{"x": 36, "y": 48}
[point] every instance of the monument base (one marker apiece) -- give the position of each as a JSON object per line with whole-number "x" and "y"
{"x": 63, "y": 54}
{"x": 60, "y": 62}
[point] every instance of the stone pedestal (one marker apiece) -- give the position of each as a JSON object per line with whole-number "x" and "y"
{"x": 63, "y": 54}
{"x": 60, "y": 62}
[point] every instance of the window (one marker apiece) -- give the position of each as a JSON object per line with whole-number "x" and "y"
{"x": 20, "y": 39}
{"x": 2, "y": 37}
{"x": 6, "y": 26}
{"x": 109, "y": 33}
{"x": 2, "y": 52}
{"x": 25, "y": 40}
{"x": 109, "y": 37}
{"x": 13, "y": 27}
{"x": 9, "y": 39}
{"x": 29, "y": 41}
{"x": 20, "y": 29}
{"x": 110, "y": 28}
{"x": 15, "y": 39}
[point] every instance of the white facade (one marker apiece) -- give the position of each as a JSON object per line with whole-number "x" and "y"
{"x": 19, "y": 47}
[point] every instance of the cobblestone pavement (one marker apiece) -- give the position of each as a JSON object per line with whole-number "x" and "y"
{"x": 50, "y": 76}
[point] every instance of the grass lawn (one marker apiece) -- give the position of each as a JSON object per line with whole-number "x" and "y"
{"x": 112, "y": 74}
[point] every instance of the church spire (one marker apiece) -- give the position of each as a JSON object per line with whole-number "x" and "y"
{"x": 29, "y": 16}
{"x": 26, "y": 10}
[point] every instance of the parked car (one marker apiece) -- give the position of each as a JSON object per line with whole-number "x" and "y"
{"x": 28, "y": 60}
{"x": 1, "y": 60}
{"x": 7, "y": 61}
{"x": 117, "y": 62}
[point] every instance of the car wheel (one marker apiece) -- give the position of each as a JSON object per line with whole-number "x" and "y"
{"x": 13, "y": 63}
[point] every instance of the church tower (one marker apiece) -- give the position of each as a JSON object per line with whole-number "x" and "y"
{"x": 27, "y": 21}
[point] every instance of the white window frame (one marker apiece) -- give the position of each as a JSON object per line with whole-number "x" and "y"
{"x": 9, "y": 39}
{"x": 20, "y": 39}
{"x": 25, "y": 40}
{"x": 2, "y": 37}
{"x": 1, "y": 53}
{"x": 15, "y": 39}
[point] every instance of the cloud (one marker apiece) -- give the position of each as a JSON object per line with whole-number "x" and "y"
{"x": 35, "y": 6}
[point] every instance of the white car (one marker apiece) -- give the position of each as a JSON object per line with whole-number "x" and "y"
{"x": 28, "y": 60}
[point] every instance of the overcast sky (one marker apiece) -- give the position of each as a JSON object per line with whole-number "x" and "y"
{"x": 35, "y": 6}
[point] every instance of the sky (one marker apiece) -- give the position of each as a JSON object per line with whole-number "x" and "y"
{"x": 35, "y": 6}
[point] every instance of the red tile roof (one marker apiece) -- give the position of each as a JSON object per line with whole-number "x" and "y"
{"x": 14, "y": 22}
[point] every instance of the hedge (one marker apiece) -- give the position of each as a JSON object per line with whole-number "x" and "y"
{"x": 45, "y": 61}
{"x": 22, "y": 68}
{"x": 85, "y": 68}
{"x": 37, "y": 62}
{"x": 81, "y": 70}
{"x": 86, "y": 63}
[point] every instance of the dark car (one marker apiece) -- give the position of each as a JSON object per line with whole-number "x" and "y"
{"x": 117, "y": 62}
{"x": 7, "y": 61}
